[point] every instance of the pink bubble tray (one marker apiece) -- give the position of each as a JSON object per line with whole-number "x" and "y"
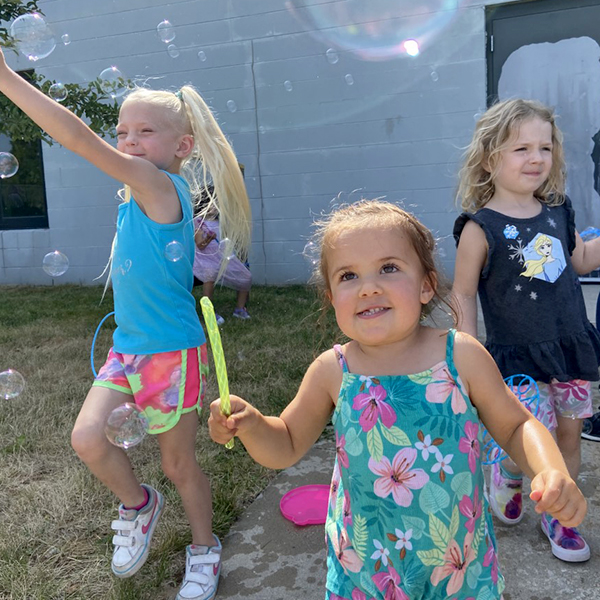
{"x": 306, "y": 505}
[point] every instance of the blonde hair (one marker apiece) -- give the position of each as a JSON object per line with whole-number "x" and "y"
{"x": 369, "y": 214}
{"x": 493, "y": 132}
{"x": 535, "y": 266}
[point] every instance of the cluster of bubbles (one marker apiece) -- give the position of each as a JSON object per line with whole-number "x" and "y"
{"x": 12, "y": 383}
{"x": 55, "y": 263}
{"x": 9, "y": 165}
{"x": 166, "y": 34}
{"x": 126, "y": 426}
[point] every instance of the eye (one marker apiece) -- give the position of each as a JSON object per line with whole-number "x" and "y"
{"x": 121, "y": 133}
{"x": 547, "y": 148}
{"x": 146, "y": 130}
{"x": 347, "y": 276}
{"x": 389, "y": 268}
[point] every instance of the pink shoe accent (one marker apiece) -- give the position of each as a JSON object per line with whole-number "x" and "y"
{"x": 567, "y": 543}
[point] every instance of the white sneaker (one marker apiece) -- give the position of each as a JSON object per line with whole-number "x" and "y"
{"x": 202, "y": 570}
{"x": 220, "y": 319}
{"x": 134, "y": 531}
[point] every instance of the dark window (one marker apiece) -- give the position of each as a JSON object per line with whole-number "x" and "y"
{"x": 23, "y": 196}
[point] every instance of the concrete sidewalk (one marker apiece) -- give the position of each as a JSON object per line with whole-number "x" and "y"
{"x": 267, "y": 557}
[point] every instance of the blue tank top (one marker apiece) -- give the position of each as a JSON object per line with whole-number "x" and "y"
{"x": 408, "y": 517}
{"x": 155, "y": 310}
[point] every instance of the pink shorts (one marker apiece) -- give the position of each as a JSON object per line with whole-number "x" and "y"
{"x": 569, "y": 399}
{"x": 163, "y": 385}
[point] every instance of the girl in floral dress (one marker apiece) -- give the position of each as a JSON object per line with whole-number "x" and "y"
{"x": 407, "y": 513}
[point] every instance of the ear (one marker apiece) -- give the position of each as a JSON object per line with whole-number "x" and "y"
{"x": 428, "y": 288}
{"x": 185, "y": 147}
{"x": 485, "y": 163}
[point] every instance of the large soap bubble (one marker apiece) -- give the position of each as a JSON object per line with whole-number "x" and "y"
{"x": 113, "y": 82}
{"x": 126, "y": 426}
{"x": 12, "y": 383}
{"x": 33, "y": 36}
{"x": 376, "y": 30}
{"x": 9, "y": 165}
{"x": 165, "y": 31}
{"x": 55, "y": 264}
{"x": 58, "y": 92}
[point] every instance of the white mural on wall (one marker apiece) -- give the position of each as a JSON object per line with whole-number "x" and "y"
{"x": 566, "y": 76}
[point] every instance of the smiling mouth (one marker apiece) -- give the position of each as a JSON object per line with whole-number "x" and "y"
{"x": 373, "y": 311}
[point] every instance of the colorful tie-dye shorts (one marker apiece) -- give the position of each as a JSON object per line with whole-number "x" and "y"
{"x": 163, "y": 385}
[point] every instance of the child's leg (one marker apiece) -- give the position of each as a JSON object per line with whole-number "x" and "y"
{"x": 242, "y": 298}
{"x": 568, "y": 439}
{"x": 178, "y": 451}
{"x": 208, "y": 289}
{"x": 108, "y": 463}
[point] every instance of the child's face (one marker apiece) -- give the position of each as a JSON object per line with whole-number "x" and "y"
{"x": 525, "y": 162}
{"x": 377, "y": 285}
{"x": 145, "y": 131}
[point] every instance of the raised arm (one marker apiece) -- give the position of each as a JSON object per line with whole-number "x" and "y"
{"x": 279, "y": 442}
{"x": 586, "y": 256}
{"x": 471, "y": 255}
{"x": 523, "y": 437}
{"x": 150, "y": 186}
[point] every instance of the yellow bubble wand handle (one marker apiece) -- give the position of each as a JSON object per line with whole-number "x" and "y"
{"x": 219, "y": 358}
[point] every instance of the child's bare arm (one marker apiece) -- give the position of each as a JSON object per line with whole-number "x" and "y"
{"x": 471, "y": 255}
{"x": 586, "y": 256}
{"x": 153, "y": 190}
{"x": 523, "y": 437}
{"x": 278, "y": 442}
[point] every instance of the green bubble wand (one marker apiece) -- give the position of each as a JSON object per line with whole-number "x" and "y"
{"x": 219, "y": 358}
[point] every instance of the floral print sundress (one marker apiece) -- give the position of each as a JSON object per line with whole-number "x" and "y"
{"x": 407, "y": 516}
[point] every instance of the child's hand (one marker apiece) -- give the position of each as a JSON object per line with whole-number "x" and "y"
{"x": 207, "y": 238}
{"x": 556, "y": 493}
{"x": 242, "y": 417}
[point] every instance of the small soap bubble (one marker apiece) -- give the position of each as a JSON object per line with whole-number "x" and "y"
{"x": 231, "y": 105}
{"x": 165, "y": 31}
{"x": 112, "y": 82}
{"x": 58, "y": 92}
{"x": 126, "y": 426}
{"x": 174, "y": 251}
{"x": 202, "y": 55}
{"x": 55, "y": 263}
{"x": 12, "y": 383}
{"x": 66, "y": 40}
{"x": 411, "y": 47}
{"x": 349, "y": 79}
{"x": 434, "y": 76}
{"x": 9, "y": 165}
{"x": 33, "y": 36}
{"x": 332, "y": 56}
{"x": 288, "y": 85}
{"x": 173, "y": 50}
{"x": 311, "y": 253}
{"x": 241, "y": 356}
{"x": 261, "y": 129}
{"x": 226, "y": 248}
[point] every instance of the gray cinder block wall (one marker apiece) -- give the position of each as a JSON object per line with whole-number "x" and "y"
{"x": 310, "y": 133}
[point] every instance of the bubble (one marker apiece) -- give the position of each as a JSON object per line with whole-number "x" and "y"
{"x": 226, "y": 248}
{"x": 349, "y": 79}
{"x": 112, "y": 82}
{"x": 434, "y": 76}
{"x": 58, "y": 92}
{"x": 261, "y": 129}
{"x": 411, "y": 47}
{"x": 12, "y": 383}
{"x": 55, "y": 264}
{"x": 202, "y": 55}
{"x": 288, "y": 85}
{"x": 165, "y": 31}
{"x": 9, "y": 165}
{"x": 231, "y": 105}
{"x": 332, "y": 56}
{"x": 66, "y": 40}
{"x": 173, "y": 50}
{"x": 174, "y": 251}
{"x": 33, "y": 36}
{"x": 126, "y": 426}
{"x": 311, "y": 253}
{"x": 379, "y": 30}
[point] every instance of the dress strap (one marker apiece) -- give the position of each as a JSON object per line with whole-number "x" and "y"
{"x": 341, "y": 358}
{"x": 450, "y": 351}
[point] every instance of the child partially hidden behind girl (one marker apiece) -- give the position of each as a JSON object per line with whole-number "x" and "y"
{"x": 407, "y": 514}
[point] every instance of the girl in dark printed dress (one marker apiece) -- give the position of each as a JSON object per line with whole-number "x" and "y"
{"x": 518, "y": 248}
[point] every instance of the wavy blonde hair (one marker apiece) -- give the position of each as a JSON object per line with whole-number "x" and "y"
{"x": 493, "y": 133}
{"x": 369, "y": 214}
{"x": 534, "y": 266}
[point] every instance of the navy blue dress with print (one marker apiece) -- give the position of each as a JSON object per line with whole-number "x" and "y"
{"x": 531, "y": 298}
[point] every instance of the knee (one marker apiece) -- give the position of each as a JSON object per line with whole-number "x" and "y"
{"x": 568, "y": 442}
{"x": 89, "y": 444}
{"x": 177, "y": 467}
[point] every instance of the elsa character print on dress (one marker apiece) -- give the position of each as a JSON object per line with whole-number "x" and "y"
{"x": 407, "y": 514}
{"x": 519, "y": 249}
{"x": 167, "y": 146}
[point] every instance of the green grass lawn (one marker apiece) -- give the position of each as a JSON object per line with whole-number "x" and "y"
{"x": 54, "y": 516}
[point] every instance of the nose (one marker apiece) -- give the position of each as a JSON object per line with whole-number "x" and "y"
{"x": 535, "y": 156}
{"x": 370, "y": 287}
